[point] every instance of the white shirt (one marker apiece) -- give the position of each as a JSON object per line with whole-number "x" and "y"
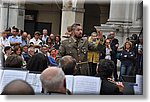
{"x": 35, "y": 42}
{"x": 4, "y": 42}
{"x": 108, "y": 54}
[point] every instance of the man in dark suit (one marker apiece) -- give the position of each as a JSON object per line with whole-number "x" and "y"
{"x": 114, "y": 46}
{"x": 104, "y": 71}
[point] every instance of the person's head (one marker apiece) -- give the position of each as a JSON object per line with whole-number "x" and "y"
{"x": 8, "y": 50}
{"x": 14, "y": 61}
{"x": 109, "y": 37}
{"x": 53, "y": 80}
{"x": 29, "y": 36}
{"x": 17, "y": 50}
{"x": 15, "y": 31}
{"x": 25, "y": 48}
{"x": 37, "y": 62}
{"x": 77, "y": 30}
{"x": 4, "y": 34}
{"x": 57, "y": 38}
{"x": 31, "y": 50}
{"x": 52, "y": 36}
{"x": 45, "y": 32}
{"x": 48, "y": 41}
{"x": 20, "y": 32}
{"x": 128, "y": 45}
{"x": 112, "y": 34}
{"x": 18, "y": 87}
{"x": 94, "y": 35}
{"x": 37, "y": 35}
{"x": 105, "y": 68}
{"x": 24, "y": 35}
{"x": 107, "y": 42}
{"x": 44, "y": 49}
{"x": 69, "y": 28}
{"x": 68, "y": 65}
{"x": 53, "y": 52}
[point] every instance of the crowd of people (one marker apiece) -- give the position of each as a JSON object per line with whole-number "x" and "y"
{"x": 95, "y": 55}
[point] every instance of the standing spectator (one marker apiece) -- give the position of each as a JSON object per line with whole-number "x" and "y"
{"x": 7, "y": 52}
{"x": 14, "y": 39}
{"x": 140, "y": 56}
{"x": 127, "y": 58}
{"x": 68, "y": 33}
{"x": 93, "y": 56}
{"x": 57, "y": 42}
{"x": 53, "y": 81}
{"x": 44, "y": 36}
{"x": 77, "y": 47}
{"x": 107, "y": 52}
{"x": 52, "y": 37}
{"x": 36, "y": 42}
{"x": 114, "y": 46}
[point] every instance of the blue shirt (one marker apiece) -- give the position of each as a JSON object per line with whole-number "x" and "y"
{"x": 14, "y": 39}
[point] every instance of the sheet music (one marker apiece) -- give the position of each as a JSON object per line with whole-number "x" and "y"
{"x": 9, "y": 75}
{"x": 86, "y": 85}
{"x": 31, "y": 78}
{"x": 69, "y": 82}
{"x": 37, "y": 84}
{"x": 138, "y": 90}
{"x": 1, "y": 72}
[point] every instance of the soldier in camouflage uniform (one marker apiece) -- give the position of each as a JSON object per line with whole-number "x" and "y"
{"x": 77, "y": 46}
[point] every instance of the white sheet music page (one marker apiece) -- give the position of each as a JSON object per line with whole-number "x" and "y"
{"x": 31, "y": 78}
{"x": 69, "y": 82}
{"x": 9, "y": 75}
{"x": 1, "y": 73}
{"x": 37, "y": 84}
{"x": 138, "y": 90}
{"x": 86, "y": 85}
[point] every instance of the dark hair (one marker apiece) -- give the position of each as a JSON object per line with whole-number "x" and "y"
{"x": 14, "y": 28}
{"x": 10, "y": 88}
{"x": 37, "y": 62}
{"x": 74, "y": 26}
{"x": 14, "y": 61}
{"x": 7, "y": 48}
{"x": 67, "y": 63}
{"x": 106, "y": 68}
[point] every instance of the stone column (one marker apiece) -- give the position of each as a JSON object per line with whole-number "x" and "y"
{"x": 123, "y": 19}
{"x": 12, "y": 14}
{"x": 72, "y": 12}
{"x": 120, "y": 11}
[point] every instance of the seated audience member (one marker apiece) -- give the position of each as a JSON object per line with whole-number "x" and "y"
{"x": 68, "y": 65}
{"x": 53, "y": 81}
{"x": 37, "y": 62}
{"x": 7, "y": 52}
{"x": 14, "y": 61}
{"x": 104, "y": 71}
{"x": 18, "y": 87}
